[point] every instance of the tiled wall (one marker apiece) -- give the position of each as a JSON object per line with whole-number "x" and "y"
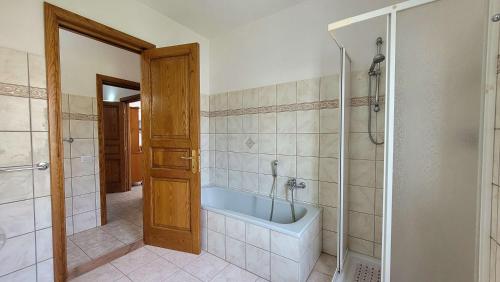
{"x": 25, "y": 206}
{"x": 297, "y": 124}
{"x": 366, "y": 168}
{"x": 81, "y": 163}
{"x": 495, "y": 211}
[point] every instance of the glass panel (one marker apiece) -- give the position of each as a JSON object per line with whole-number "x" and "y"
{"x": 436, "y": 129}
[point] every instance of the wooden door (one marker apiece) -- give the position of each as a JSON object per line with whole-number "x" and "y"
{"x": 136, "y": 167}
{"x": 171, "y": 132}
{"x": 114, "y": 147}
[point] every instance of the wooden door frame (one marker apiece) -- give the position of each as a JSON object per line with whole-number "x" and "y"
{"x": 54, "y": 19}
{"x": 102, "y": 80}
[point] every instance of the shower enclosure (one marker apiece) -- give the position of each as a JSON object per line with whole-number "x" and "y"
{"x": 372, "y": 130}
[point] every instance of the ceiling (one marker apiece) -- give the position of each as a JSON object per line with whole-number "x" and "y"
{"x": 212, "y": 17}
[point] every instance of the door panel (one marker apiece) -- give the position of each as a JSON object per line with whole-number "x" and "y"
{"x": 171, "y": 132}
{"x": 136, "y": 164}
{"x": 114, "y": 147}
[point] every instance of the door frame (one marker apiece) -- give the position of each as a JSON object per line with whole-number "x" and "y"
{"x": 54, "y": 19}
{"x": 102, "y": 80}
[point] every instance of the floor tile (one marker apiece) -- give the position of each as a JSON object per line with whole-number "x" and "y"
{"x": 234, "y": 273}
{"x": 104, "y": 273}
{"x": 206, "y": 267}
{"x": 319, "y": 277}
{"x": 157, "y": 270}
{"x": 326, "y": 264}
{"x": 182, "y": 276}
{"x": 134, "y": 260}
{"x": 180, "y": 259}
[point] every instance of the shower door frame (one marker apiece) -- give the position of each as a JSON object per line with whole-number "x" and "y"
{"x": 390, "y": 12}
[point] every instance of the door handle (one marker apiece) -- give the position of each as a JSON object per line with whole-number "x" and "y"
{"x": 194, "y": 161}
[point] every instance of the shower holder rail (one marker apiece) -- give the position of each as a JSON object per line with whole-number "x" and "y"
{"x": 38, "y": 166}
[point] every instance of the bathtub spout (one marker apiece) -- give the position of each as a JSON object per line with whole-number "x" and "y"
{"x": 293, "y": 185}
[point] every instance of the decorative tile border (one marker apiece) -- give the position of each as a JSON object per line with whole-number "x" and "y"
{"x": 14, "y": 90}
{"x": 38, "y": 93}
{"x": 320, "y": 105}
{"x": 77, "y": 116}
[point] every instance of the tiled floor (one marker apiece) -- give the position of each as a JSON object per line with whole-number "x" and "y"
{"x": 124, "y": 227}
{"x": 157, "y": 264}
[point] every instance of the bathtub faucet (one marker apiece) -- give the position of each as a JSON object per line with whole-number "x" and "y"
{"x": 293, "y": 185}
{"x": 272, "y": 195}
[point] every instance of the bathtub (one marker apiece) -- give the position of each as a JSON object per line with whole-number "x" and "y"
{"x": 236, "y": 227}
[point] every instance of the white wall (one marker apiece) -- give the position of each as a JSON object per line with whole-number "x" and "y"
{"x": 21, "y": 25}
{"x": 291, "y": 45}
{"x": 82, "y": 58}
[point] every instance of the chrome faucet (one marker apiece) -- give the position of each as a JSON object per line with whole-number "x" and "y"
{"x": 293, "y": 185}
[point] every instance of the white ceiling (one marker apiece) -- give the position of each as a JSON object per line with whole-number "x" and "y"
{"x": 212, "y": 17}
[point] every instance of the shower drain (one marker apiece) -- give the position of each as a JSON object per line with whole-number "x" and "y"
{"x": 367, "y": 273}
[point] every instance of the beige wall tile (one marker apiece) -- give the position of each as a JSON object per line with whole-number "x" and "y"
{"x": 235, "y": 124}
{"x": 45, "y": 271}
{"x": 267, "y": 96}
{"x": 361, "y": 147}
{"x": 362, "y": 173}
{"x": 330, "y": 242}
{"x": 494, "y": 210}
{"x": 15, "y": 149}
{"x": 43, "y": 213}
{"x": 235, "y": 252}
{"x": 43, "y": 244}
{"x": 308, "y": 90}
{"x": 284, "y": 269}
{"x": 235, "y": 100}
{"x": 250, "y": 98}
{"x": 308, "y": 121}
{"x": 216, "y": 222}
{"x": 221, "y": 124}
{"x": 17, "y": 218}
{"x": 37, "y": 75}
{"x": 40, "y": 147}
{"x": 329, "y": 88}
{"x": 379, "y": 199}
{"x": 361, "y": 225}
{"x": 22, "y": 248}
{"x": 13, "y": 67}
{"x": 328, "y": 194}
{"x": 286, "y": 144}
{"x": 379, "y": 174}
{"x": 80, "y": 104}
{"x": 216, "y": 244}
{"x": 258, "y": 236}
{"x": 83, "y": 203}
{"x": 250, "y": 162}
{"x": 235, "y": 228}
{"x": 82, "y": 166}
{"x": 328, "y": 169}
{"x": 308, "y": 168}
{"x": 267, "y": 143}
{"x": 25, "y": 274}
{"x": 359, "y": 119}
{"x": 287, "y": 122}
{"x": 221, "y": 159}
{"x": 84, "y": 221}
{"x": 16, "y": 186}
{"x": 82, "y": 147}
{"x": 308, "y": 145}
{"x": 286, "y": 93}
{"x": 267, "y": 123}
{"x": 329, "y": 145}
{"x": 359, "y": 84}
{"x": 81, "y": 129}
{"x": 258, "y": 261}
{"x": 362, "y": 199}
{"x": 287, "y": 166}
{"x": 15, "y": 113}
{"x": 41, "y": 182}
{"x": 329, "y": 120}
{"x": 310, "y": 193}
{"x": 221, "y": 142}
{"x": 39, "y": 119}
{"x": 361, "y": 246}
{"x": 330, "y": 218}
{"x": 221, "y": 102}
{"x": 378, "y": 229}
{"x": 250, "y": 123}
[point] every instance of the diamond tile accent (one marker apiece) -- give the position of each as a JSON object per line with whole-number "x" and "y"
{"x": 250, "y": 143}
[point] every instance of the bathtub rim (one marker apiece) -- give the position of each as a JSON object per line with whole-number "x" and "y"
{"x": 296, "y": 229}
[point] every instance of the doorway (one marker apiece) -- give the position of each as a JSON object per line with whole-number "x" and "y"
{"x": 170, "y": 110}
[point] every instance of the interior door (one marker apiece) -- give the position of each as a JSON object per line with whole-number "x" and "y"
{"x": 171, "y": 131}
{"x": 113, "y": 119}
{"x": 136, "y": 167}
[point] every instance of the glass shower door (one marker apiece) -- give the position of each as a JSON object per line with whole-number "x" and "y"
{"x": 344, "y": 118}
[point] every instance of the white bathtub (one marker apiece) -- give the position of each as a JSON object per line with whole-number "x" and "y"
{"x": 236, "y": 228}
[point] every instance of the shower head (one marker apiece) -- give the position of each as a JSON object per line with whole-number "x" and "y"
{"x": 379, "y": 58}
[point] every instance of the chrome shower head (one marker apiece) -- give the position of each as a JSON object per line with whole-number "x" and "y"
{"x": 379, "y": 58}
